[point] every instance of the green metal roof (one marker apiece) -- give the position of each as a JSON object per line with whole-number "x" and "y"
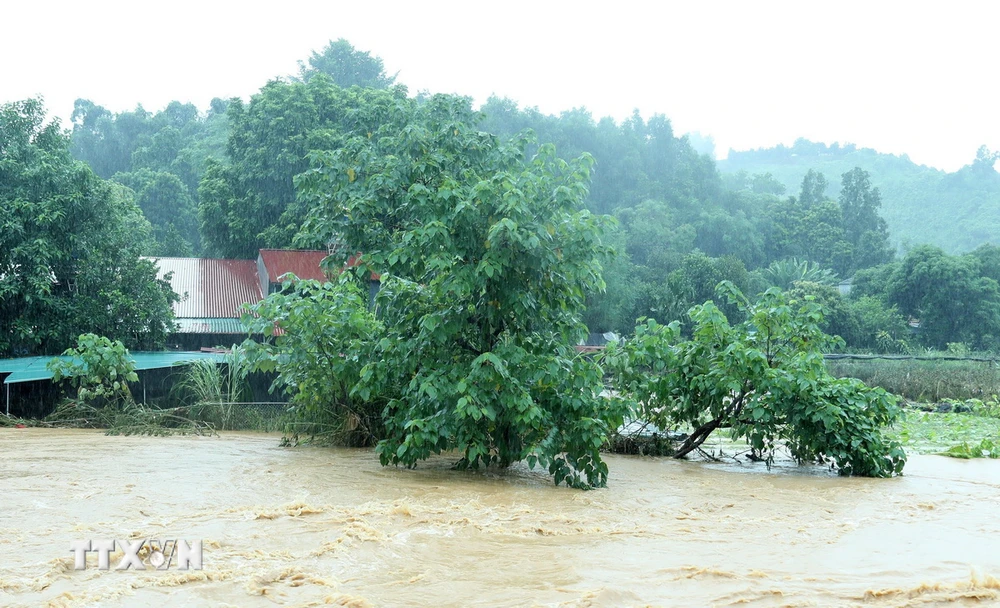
{"x": 209, "y": 325}
{"x": 28, "y": 369}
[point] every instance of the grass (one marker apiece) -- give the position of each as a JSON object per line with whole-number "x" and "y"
{"x": 127, "y": 419}
{"x": 924, "y": 381}
{"x": 953, "y": 410}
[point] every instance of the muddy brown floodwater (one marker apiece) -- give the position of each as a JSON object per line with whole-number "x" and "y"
{"x": 314, "y": 526}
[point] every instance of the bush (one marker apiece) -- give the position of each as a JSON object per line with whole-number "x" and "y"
{"x": 326, "y": 336}
{"x": 99, "y": 369}
{"x": 763, "y": 379}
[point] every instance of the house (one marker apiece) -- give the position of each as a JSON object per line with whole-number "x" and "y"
{"x": 214, "y": 293}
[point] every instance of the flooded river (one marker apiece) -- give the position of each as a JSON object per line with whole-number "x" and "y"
{"x": 313, "y": 526}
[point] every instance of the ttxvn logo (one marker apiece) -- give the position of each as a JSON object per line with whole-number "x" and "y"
{"x": 156, "y": 554}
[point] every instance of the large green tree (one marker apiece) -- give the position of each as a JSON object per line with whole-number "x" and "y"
{"x": 167, "y": 204}
{"x": 346, "y": 66}
{"x": 949, "y": 296}
{"x": 161, "y": 156}
{"x": 250, "y": 202}
{"x": 69, "y": 247}
{"x": 864, "y": 228}
{"x": 486, "y": 258}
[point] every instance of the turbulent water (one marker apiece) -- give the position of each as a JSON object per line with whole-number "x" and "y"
{"x": 312, "y": 526}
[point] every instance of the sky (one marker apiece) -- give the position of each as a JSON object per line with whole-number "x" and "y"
{"x": 915, "y": 78}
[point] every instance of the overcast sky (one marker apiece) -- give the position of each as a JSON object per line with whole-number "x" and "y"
{"x": 901, "y": 77}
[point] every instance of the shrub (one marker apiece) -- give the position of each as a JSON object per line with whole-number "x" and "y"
{"x": 763, "y": 379}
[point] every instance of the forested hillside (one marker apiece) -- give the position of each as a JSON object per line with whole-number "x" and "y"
{"x": 955, "y": 211}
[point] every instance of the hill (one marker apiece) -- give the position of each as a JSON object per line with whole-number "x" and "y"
{"x": 956, "y": 211}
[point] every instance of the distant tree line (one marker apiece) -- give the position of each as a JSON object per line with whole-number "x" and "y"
{"x": 921, "y": 205}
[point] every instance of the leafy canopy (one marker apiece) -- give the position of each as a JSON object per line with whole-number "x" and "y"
{"x": 485, "y": 258}
{"x": 763, "y": 379}
{"x": 319, "y": 336}
{"x": 69, "y": 247}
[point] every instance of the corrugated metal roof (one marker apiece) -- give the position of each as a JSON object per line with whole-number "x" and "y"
{"x": 303, "y": 264}
{"x": 211, "y": 287}
{"x": 27, "y": 369}
{"x": 209, "y": 325}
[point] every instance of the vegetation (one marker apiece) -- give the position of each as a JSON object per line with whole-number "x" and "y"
{"x": 128, "y": 419}
{"x": 320, "y": 336}
{"x": 967, "y": 434}
{"x": 763, "y": 379}
{"x": 215, "y": 391}
{"x": 485, "y": 258}
{"x": 69, "y": 247}
{"x": 922, "y": 380}
{"x": 496, "y": 257}
{"x": 920, "y": 204}
{"x": 160, "y": 157}
{"x": 100, "y": 370}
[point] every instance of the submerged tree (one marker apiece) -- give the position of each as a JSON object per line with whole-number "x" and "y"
{"x": 318, "y": 338}
{"x": 486, "y": 259}
{"x": 764, "y": 380}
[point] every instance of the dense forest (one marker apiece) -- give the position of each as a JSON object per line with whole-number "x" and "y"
{"x": 914, "y": 197}
{"x": 227, "y": 180}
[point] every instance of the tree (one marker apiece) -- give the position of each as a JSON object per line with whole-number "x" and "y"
{"x": 69, "y": 247}
{"x": 950, "y": 297}
{"x": 326, "y": 336}
{"x": 347, "y": 67}
{"x": 765, "y": 183}
{"x": 165, "y": 202}
{"x": 813, "y": 189}
{"x": 251, "y": 202}
{"x": 955, "y": 211}
{"x": 763, "y": 379}
{"x": 864, "y": 228}
{"x": 486, "y": 259}
{"x": 161, "y": 156}
{"x": 812, "y": 232}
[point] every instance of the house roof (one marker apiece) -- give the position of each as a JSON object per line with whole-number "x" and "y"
{"x": 211, "y": 287}
{"x": 209, "y": 325}
{"x": 303, "y": 264}
{"x": 28, "y": 369}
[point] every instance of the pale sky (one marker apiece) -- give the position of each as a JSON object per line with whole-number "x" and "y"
{"x": 918, "y": 78}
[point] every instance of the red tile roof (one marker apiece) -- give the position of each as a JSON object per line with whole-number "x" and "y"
{"x": 303, "y": 264}
{"x": 210, "y": 287}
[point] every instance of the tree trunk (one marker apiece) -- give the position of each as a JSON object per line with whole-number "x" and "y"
{"x": 698, "y": 437}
